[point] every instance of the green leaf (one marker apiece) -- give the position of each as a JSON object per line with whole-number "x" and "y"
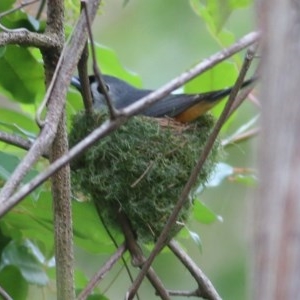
{"x": 97, "y": 297}
{"x": 21, "y": 256}
{"x": 111, "y": 65}
{"x": 10, "y": 278}
{"x": 24, "y": 77}
{"x": 203, "y": 214}
{"x": 2, "y": 50}
{"x": 221, "y": 76}
{"x": 235, "y": 4}
{"x": 18, "y": 123}
{"x": 8, "y": 165}
{"x": 214, "y": 12}
{"x": 32, "y": 220}
{"x": 89, "y": 232}
{"x": 20, "y": 19}
{"x": 248, "y": 180}
{"x": 6, "y": 4}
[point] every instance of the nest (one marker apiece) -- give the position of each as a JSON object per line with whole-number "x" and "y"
{"x": 140, "y": 169}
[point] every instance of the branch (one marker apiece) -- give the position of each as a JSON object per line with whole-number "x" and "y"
{"x": 60, "y": 181}
{"x": 112, "y": 111}
{"x": 137, "y": 256}
{"x": 63, "y": 229}
{"x": 244, "y": 136}
{"x": 83, "y": 75}
{"x": 101, "y": 273}
{"x": 205, "y": 288}
{"x": 126, "y": 113}
{"x": 32, "y": 39}
{"x": 246, "y": 91}
{"x": 17, "y": 141}
{"x": 57, "y": 95}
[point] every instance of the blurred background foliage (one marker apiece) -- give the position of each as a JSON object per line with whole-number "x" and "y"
{"x": 146, "y": 43}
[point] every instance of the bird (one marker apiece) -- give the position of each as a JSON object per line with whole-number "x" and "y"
{"x": 183, "y": 108}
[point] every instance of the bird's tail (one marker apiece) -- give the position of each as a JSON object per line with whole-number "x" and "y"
{"x": 216, "y": 95}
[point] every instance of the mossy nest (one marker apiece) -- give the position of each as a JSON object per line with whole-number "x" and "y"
{"x": 141, "y": 169}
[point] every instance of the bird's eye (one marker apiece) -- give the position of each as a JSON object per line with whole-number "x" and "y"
{"x": 99, "y": 88}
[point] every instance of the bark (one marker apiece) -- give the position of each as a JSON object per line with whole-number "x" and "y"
{"x": 276, "y": 209}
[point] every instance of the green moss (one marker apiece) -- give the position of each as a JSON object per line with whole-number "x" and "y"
{"x": 141, "y": 168}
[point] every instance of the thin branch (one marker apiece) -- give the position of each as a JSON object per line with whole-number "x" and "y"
{"x": 246, "y": 91}
{"x": 161, "y": 241}
{"x": 57, "y": 97}
{"x": 113, "y": 112}
{"x": 102, "y": 272}
{"x": 241, "y": 137}
{"x": 15, "y": 140}
{"x": 40, "y": 10}
{"x": 205, "y": 288}
{"x": 83, "y": 74}
{"x": 184, "y": 293}
{"x": 111, "y": 125}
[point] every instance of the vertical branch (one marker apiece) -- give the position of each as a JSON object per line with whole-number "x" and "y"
{"x": 276, "y": 210}
{"x": 60, "y": 180}
{"x": 62, "y": 218}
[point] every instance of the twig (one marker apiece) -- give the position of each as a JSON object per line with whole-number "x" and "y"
{"x": 241, "y": 137}
{"x": 83, "y": 77}
{"x": 184, "y": 293}
{"x": 245, "y": 92}
{"x": 150, "y": 165}
{"x": 102, "y": 272}
{"x": 40, "y": 10}
{"x": 111, "y": 125}
{"x": 190, "y": 183}
{"x": 205, "y": 288}
{"x": 112, "y": 111}
{"x": 17, "y": 141}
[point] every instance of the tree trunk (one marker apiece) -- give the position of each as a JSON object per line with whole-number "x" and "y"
{"x": 276, "y": 209}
